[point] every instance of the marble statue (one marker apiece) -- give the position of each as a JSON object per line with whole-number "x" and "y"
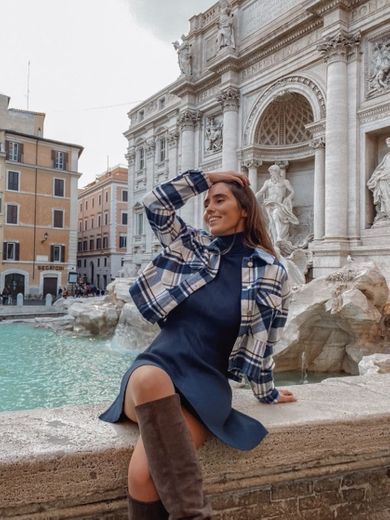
{"x": 380, "y": 79}
{"x": 184, "y": 55}
{"x": 225, "y": 37}
{"x": 213, "y": 135}
{"x": 379, "y": 184}
{"x": 277, "y": 194}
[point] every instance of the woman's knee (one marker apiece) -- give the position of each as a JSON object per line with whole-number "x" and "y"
{"x": 148, "y": 383}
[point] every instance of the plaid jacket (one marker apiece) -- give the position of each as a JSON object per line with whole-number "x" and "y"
{"x": 190, "y": 260}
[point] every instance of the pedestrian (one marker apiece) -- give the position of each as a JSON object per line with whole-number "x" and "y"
{"x": 220, "y": 298}
{"x": 6, "y": 295}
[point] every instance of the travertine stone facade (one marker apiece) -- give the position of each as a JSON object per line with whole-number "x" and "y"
{"x": 38, "y": 205}
{"x": 102, "y": 227}
{"x": 305, "y": 85}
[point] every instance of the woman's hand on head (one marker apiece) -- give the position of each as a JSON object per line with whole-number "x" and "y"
{"x": 228, "y": 176}
{"x": 285, "y": 396}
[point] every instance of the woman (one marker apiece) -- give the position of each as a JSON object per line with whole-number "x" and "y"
{"x": 221, "y": 300}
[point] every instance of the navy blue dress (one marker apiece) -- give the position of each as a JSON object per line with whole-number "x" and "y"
{"x": 193, "y": 347}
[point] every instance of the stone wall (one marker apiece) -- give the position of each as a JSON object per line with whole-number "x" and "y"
{"x": 327, "y": 456}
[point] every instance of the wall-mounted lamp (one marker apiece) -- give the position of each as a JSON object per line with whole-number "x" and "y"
{"x": 45, "y": 237}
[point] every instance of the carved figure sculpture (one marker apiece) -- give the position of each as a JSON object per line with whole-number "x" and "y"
{"x": 184, "y": 55}
{"x": 278, "y": 193}
{"x": 380, "y": 78}
{"x": 225, "y": 37}
{"x": 379, "y": 184}
{"x": 213, "y": 135}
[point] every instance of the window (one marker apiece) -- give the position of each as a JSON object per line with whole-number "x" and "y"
{"x": 98, "y": 262}
{"x": 93, "y": 202}
{"x": 141, "y": 158}
{"x": 85, "y": 225}
{"x": 14, "y": 151}
{"x": 10, "y": 251}
{"x": 79, "y": 246}
{"x": 124, "y": 196}
{"x": 59, "y": 185}
{"x": 57, "y": 253}
{"x": 80, "y": 226}
{"x": 92, "y": 244}
{"x": 124, "y": 219}
{"x": 99, "y": 220}
{"x": 105, "y": 242}
{"x": 161, "y": 103}
{"x": 100, "y": 200}
{"x": 139, "y": 223}
{"x": 141, "y": 115}
{"x": 85, "y": 263}
{"x": 59, "y": 159}
{"x": 162, "y": 148}
{"x": 106, "y": 196}
{"x": 105, "y": 261}
{"x": 86, "y": 205}
{"x": 106, "y": 219}
{"x": 78, "y": 263}
{"x": 85, "y": 245}
{"x": 98, "y": 243}
{"x": 81, "y": 207}
{"x": 12, "y": 214}
{"x": 122, "y": 241}
{"x": 58, "y": 218}
{"x": 13, "y": 181}
{"x": 92, "y": 223}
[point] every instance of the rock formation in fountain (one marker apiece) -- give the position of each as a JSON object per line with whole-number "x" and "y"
{"x": 336, "y": 320}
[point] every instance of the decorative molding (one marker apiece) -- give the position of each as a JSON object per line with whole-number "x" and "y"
{"x": 325, "y": 6}
{"x": 368, "y": 8}
{"x": 339, "y": 46}
{"x": 252, "y": 163}
{"x": 378, "y": 66}
{"x": 188, "y": 119}
{"x": 229, "y": 98}
{"x": 173, "y": 138}
{"x": 375, "y": 113}
{"x": 150, "y": 147}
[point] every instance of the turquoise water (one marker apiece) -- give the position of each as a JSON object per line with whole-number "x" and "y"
{"x": 43, "y": 369}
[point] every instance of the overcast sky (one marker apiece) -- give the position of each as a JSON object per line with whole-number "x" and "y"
{"x": 91, "y": 61}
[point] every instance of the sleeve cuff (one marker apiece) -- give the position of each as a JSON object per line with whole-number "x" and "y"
{"x": 271, "y": 398}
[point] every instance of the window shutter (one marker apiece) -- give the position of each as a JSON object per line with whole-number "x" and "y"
{"x": 62, "y": 254}
{"x": 66, "y": 159}
{"x": 53, "y": 158}
{"x": 20, "y": 154}
{"x": 5, "y": 250}
{"x": 7, "y": 149}
{"x": 17, "y": 251}
{"x": 51, "y": 253}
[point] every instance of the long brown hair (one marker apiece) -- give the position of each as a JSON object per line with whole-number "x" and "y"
{"x": 255, "y": 231}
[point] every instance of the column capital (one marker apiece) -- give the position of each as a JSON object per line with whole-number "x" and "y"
{"x": 317, "y": 143}
{"x": 188, "y": 119}
{"x": 229, "y": 98}
{"x": 338, "y": 46}
{"x": 172, "y": 138}
{"x": 130, "y": 156}
{"x": 252, "y": 163}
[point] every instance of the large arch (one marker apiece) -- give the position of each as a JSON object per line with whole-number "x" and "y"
{"x": 293, "y": 84}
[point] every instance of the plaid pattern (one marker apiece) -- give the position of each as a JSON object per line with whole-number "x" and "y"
{"x": 190, "y": 259}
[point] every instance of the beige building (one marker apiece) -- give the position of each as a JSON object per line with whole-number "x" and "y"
{"x": 102, "y": 227}
{"x": 38, "y": 204}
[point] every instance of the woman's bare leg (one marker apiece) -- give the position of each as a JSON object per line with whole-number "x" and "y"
{"x": 149, "y": 383}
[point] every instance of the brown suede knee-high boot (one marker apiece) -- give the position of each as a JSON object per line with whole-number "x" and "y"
{"x": 172, "y": 459}
{"x": 146, "y": 510}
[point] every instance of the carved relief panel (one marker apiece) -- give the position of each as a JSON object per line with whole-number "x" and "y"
{"x": 378, "y": 66}
{"x": 213, "y": 134}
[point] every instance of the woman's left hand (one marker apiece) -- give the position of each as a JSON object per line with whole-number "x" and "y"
{"x": 285, "y": 396}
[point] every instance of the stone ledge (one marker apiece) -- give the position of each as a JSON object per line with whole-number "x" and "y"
{"x": 65, "y": 463}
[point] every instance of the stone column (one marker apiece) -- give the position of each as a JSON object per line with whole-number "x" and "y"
{"x": 172, "y": 141}
{"x": 252, "y": 165}
{"x": 230, "y": 99}
{"x": 334, "y": 50}
{"x": 318, "y": 144}
{"x": 187, "y": 121}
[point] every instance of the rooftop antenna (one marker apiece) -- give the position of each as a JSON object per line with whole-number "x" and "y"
{"x": 28, "y": 85}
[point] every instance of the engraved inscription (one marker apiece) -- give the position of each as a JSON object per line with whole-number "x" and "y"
{"x": 260, "y": 12}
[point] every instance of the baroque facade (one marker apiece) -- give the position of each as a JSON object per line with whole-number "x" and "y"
{"x": 301, "y": 84}
{"x": 38, "y": 205}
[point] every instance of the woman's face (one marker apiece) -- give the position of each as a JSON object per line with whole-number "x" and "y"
{"x": 222, "y": 213}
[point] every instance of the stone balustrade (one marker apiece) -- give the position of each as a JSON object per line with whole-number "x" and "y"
{"x": 327, "y": 456}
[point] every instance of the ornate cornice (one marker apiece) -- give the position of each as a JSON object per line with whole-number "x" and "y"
{"x": 321, "y": 7}
{"x": 252, "y": 163}
{"x": 366, "y": 115}
{"x": 229, "y": 98}
{"x": 339, "y": 45}
{"x": 172, "y": 138}
{"x": 188, "y": 119}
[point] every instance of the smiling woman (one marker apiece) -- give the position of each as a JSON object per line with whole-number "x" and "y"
{"x": 221, "y": 300}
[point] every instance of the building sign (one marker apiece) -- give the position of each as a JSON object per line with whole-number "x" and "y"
{"x": 50, "y": 267}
